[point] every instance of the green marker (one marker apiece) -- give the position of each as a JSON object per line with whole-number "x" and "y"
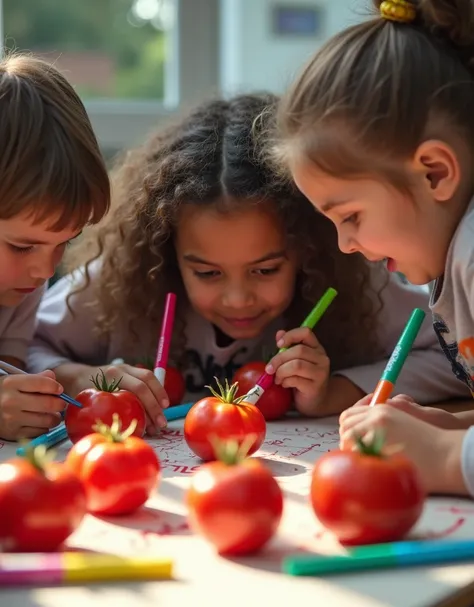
{"x": 317, "y": 312}
{"x": 381, "y": 556}
{"x": 266, "y": 380}
{"x": 397, "y": 360}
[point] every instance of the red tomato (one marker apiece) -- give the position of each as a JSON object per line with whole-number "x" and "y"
{"x": 235, "y": 507}
{"x": 366, "y": 497}
{"x": 222, "y": 416}
{"x": 41, "y": 504}
{"x": 174, "y": 385}
{"x": 119, "y": 471}
{"x": 174, "y": 382}
{"x": 99, "y": 404}
{"x": 275, "y": 402}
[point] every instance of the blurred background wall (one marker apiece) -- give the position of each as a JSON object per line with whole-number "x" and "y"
{"x": 134, "y": 62}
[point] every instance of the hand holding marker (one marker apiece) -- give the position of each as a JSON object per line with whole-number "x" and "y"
{"x": 266, "y": 380}
{"x": 397, "y": 360}
{"x": 11, "y": 370}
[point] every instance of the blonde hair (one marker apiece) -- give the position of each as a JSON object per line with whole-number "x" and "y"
{"x": 215, "y": 157}
{"x": 50, "y": 163}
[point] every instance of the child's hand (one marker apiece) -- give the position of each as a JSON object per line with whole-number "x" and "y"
{"x": 147, "y": 388}
{"x": 425, "y": 444}
{"x": 28, "y": 406}
{"x": 431, "y": 415}
{"x": 304, "y": 367}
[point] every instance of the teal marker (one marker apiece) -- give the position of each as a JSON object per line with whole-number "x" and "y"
{"x": 399, "y": 355}
{"x": 381, "y": 556}
{"x": 59, "y": 434}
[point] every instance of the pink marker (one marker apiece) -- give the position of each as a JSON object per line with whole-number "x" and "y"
{"x": 165, "y": 338}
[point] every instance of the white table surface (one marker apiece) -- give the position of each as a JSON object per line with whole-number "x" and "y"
{"x": 203, "y": 578}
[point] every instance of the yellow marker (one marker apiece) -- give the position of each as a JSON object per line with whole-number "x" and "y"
{"x": 35, "y": 568}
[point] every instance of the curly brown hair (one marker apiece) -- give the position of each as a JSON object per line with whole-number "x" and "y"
{"x": 215, "y": 156}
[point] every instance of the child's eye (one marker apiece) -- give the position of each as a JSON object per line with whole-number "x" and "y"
{"x": 206, "y": 275}
{"x": 267, "y": 271}
{"x": 354, "y": 218}
{"x": 20, "y": 250}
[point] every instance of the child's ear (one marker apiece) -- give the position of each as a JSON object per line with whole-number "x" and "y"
{"x": 439, "y": 164}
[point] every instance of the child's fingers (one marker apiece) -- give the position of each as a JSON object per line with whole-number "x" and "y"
{"x": 45, "y": 421}
{"x": 39, "y": 384}
{"x": 302, "y": 353}
{"x": 301, "y": 335}
{"x": 29, "y": 432}
{"x": 355, "y": 409}
{"x": 147, "y": 388}
{"x": 295, "y": 368}
{"x": 303, "y": 385}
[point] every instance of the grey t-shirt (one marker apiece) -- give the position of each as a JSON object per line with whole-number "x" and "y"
{"x": 17, "y": 326}
{"x": 452, "y": 302}
{"x": 452, "y": 305}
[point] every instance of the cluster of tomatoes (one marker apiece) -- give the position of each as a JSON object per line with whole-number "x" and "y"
{"x": 363, "y": 496}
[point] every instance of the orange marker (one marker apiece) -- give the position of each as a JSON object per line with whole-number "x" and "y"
{"x": 390, "y": 375}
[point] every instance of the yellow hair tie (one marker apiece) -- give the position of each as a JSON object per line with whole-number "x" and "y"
{"x": 402, "y": 11}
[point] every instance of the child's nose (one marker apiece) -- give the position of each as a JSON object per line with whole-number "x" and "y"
{"x": 43, "y": 268}
{"x": 346, "y": 243}
{"x": 237, "y": 296}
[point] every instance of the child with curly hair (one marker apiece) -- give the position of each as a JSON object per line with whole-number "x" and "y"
{"x": 53, "y": 181}
{"x": 198, "y": 211}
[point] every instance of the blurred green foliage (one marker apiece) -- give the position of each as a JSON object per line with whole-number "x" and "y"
{"x": 136, "y": 47}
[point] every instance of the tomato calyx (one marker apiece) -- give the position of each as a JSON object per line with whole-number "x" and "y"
{"x": 114, "y": 432}
{"x": 227, "y": 393}
{"x": 373, "y": 447}
{"x": 103, "y": 385}
{"x": 39, "y": 457}
{"x": 229, "y": 452}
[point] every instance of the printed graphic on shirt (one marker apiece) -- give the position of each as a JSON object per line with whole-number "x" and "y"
{"x": 200, "y": 370}
{"x": 461, "y": 356}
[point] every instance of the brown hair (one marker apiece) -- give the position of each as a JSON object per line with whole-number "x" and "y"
{"x": 215, "y": 156}
{"x": 50, "y": 163}
{"x": 376, "y": 90}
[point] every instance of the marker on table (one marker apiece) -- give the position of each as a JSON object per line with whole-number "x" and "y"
{"x": 11, "y": 370}
{"x": 397, "y": 360}
{"x": 63, "y": 567}
{"x": 165, "y": 338}
{"x": 381, "y": 556}
{"x": 59, "y": 434}
{"x": 266, "y": 380}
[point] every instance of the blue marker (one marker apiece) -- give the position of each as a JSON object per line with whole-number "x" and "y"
{"x": 382, "y": 556}
{"x": 59, "y": 434}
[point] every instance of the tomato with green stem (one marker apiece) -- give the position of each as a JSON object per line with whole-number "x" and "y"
{"x": 41, "y": 502}
{"x": 225, "y": 416}
{"x": 100, "y": 403}
{"x": 275, "y": 402}
{"x": 366, "y": 495}
{"x": 119, "y": 471}
{"x": 234, "y": 502}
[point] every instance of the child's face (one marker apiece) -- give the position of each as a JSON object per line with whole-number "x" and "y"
{"x": 380, "y": 222}
{"x": 29, "y": 255}
{"x": 236, "y": 268}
